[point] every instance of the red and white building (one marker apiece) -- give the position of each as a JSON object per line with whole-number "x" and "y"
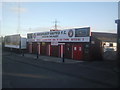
{"x": 75, "y": 43}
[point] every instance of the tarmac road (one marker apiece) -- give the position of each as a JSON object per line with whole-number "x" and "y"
{"x": 22, "y": 72}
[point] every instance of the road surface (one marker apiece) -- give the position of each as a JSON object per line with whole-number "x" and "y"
{"x": 22, "y": 72}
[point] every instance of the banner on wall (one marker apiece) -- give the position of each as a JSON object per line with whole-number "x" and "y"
{"x": 69, "y": 35}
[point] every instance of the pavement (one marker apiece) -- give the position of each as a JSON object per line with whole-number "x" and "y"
{"x": 45, "y": 58}
{"x": 51, "y": 59}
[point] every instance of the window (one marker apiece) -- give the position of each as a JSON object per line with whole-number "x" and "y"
{"x": 75, "y": 48}
{"x": 111, "y": 44}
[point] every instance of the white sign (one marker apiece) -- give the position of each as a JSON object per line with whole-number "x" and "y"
{"x": 61, "y": 43}
{"x": 54, "y": 43}
{"x": 23, "y": 43}
{"x": 70, "y": 35}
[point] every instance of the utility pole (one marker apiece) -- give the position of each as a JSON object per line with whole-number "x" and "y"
{"x": 0, "y": 28}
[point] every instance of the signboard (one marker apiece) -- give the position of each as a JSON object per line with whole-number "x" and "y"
{"x": 12, "y": 41}
{"x": 54, "y": 43}
{"x": 15, "y": 41}
{"x": 69, "y": 35}
{"x": 61, "y": 43}
{"x": 23, "y": 43}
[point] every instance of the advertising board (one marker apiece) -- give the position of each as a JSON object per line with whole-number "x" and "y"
{"x": 23, "y": 43}
{"x": 69, "y": 35}
{"x": 12, "y": 41}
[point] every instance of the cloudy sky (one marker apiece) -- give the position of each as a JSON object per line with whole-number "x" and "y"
{"x": 39, "y": 16}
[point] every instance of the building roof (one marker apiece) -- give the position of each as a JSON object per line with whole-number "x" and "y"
{"x": 106, "y": 37}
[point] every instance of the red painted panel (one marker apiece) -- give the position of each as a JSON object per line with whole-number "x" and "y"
{"x": 77, "y": 52}
{"x": 55, "y": 51}
{"x": 48, "y": 50}
{"x": 34, "y": 48}
{"x": 68, "y": 50}
{"x": 43, "y": 49}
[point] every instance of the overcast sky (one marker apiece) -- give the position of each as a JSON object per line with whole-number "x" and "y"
{"x": 39, "y": 16}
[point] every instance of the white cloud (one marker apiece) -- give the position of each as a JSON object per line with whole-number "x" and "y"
{"x": 17, "y": 9}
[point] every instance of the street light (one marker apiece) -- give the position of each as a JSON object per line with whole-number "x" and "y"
{"x": 118, "y": 32}
{"x": 118, "y": 41}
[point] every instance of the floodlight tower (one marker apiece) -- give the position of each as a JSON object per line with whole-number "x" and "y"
{"x": 18, "y": 28}
{"x": 56, "y": 24}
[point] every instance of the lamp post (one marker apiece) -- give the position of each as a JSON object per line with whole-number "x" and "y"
{"x": 118, "y": 42}
{"x": 118, "y": 33}
{"x": 118, "y": 38}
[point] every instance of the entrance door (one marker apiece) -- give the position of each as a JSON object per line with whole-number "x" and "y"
{"x": 55, "y": 51}
{"x": 77, "y": 52}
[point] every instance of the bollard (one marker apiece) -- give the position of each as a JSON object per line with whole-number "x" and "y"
{"x": 22, "y": 52}
{"x": 63, "y": 58}
{"x": 37, "y": 55}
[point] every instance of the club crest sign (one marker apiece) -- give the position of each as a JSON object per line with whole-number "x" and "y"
{"x": 70, "y": 33}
